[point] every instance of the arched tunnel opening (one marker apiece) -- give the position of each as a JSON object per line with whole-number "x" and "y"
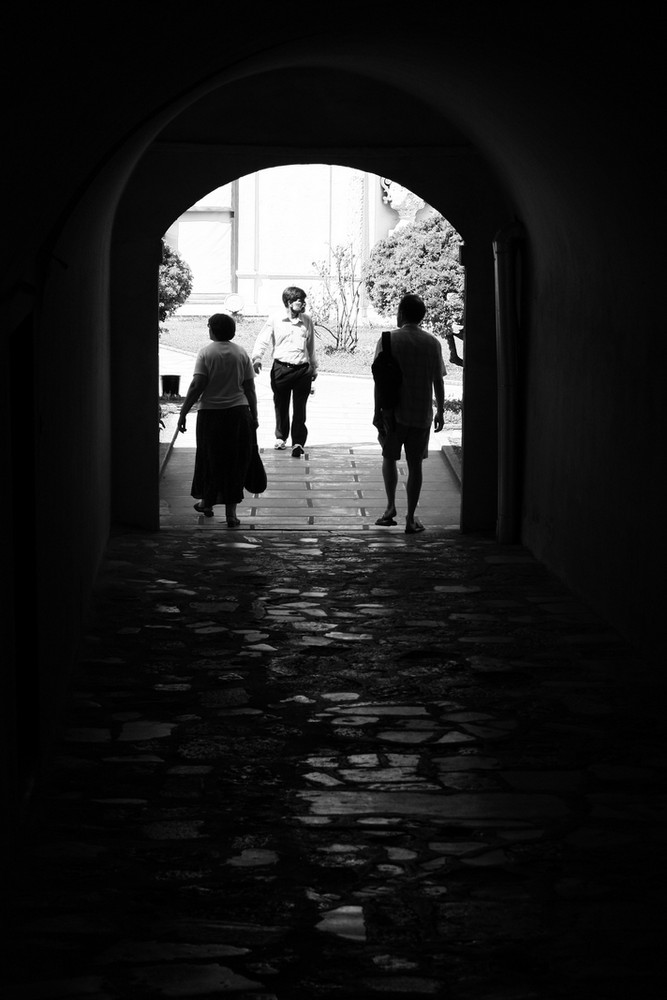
{"x": 321, "y": 224}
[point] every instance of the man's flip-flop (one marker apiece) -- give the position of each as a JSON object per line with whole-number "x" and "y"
{"x": 385, "y": 521}
{"x": 414, "y": 528}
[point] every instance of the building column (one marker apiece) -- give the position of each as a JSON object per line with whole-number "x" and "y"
{"x": 134, "y": 383}
{"x": 479, "y": 462}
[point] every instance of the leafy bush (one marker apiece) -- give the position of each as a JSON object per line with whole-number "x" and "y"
{"x": 422, "y": 258}
{"x": 338, "y": 299}
{"x": 175, "y": 282}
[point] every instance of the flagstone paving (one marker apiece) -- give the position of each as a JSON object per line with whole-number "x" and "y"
{"x": 332, "y": 763}
{"x": 332, "y": 486}
{"x": 337, "y": 484}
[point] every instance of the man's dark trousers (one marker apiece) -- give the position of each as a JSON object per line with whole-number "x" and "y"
{"x": 291, "y": 382}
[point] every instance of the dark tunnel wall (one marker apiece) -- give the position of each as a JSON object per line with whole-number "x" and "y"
{"x": 562, "y": 123}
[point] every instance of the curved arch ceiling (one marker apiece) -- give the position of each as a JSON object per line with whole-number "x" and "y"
{"x": 308, "y": 115}
{"x": 312, "y": 106}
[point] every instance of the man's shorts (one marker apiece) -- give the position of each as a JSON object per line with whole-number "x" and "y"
{"x": 397, "y": 436}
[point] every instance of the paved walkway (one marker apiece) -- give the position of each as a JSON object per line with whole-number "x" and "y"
{"x": 337, "y": 484}
{"x": 334, "y": 764}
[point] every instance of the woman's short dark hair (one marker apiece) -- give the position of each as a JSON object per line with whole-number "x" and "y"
{"x": 222, "y": 326}
{"x": 293, "y": 293}
{"x": 412, "y": 308}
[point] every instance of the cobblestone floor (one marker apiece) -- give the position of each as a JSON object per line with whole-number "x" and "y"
{"x": 345, "y": 765}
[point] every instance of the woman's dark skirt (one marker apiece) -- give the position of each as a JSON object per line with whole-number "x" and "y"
{"x": 225, "y": 439}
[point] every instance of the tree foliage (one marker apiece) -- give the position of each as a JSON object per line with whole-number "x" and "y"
{"x": 422, "y": 258}
{"x": 175, "y": 282}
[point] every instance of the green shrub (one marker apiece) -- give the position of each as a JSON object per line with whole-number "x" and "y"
{"x": 421, "y": 258}
{"x": 175, "y": 282}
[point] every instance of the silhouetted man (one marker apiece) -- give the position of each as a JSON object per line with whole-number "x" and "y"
{"x": 408, "y": 426}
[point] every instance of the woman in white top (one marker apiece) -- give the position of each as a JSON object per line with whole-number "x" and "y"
{"x": 294, "y": 369}
{"x": 224, "y": 384}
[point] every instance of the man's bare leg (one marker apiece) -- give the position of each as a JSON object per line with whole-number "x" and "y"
{"x": 390, "y": 477}
{"x": 413, "y": 490}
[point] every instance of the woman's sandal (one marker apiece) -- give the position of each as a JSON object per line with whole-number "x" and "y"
{"x": 233, "y": 522}
{"x": 201, "y": 509}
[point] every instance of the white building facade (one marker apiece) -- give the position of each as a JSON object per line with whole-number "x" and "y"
{"x": 247, "y": 240}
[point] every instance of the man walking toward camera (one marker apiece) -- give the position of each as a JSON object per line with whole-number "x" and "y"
{"x": 408, "y": 426}
{"x": 294, "y": 369}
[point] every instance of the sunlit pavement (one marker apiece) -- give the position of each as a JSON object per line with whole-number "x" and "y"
{"x": 336, "y": 484}
{"x": 330, "y": 760}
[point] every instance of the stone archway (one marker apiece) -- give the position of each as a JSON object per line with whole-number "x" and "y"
{"x": 172, "y": 175}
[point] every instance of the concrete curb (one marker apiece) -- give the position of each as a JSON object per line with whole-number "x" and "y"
{"x": 453, "y": 460}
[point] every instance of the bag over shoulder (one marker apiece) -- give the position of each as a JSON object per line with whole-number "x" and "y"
{"x": 387, "y": 376}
